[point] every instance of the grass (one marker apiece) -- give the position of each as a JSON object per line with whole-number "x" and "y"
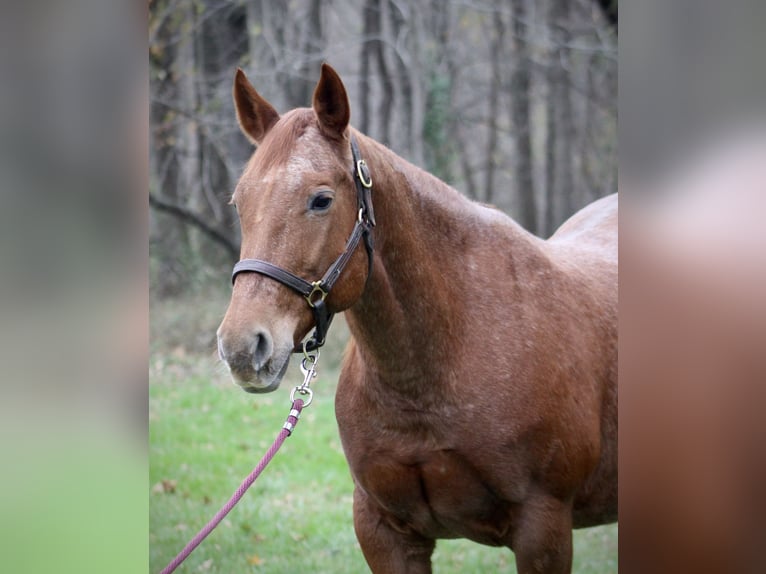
{"x": 206, "y": 435}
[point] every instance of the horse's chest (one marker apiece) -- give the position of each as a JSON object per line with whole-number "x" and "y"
{"x": 436, "y": 493}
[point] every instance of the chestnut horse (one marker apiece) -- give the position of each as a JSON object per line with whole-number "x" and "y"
{"x": 478, "y": 393}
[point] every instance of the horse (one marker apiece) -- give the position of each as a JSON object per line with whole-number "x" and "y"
{"x": 478, "y": 392}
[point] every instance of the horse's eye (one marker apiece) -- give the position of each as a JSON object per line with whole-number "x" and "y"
{"x": 320, "y": 202}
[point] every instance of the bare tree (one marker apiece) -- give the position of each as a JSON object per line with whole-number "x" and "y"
{"x": 170, "y": 103}
{"x": 520, "y": 94}
{"x": 559, "y": 174}
{"x": 497, "y": 42}
{"x": 373, "y": 52}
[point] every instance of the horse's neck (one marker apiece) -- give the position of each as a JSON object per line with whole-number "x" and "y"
{"x": 407, "y": 321}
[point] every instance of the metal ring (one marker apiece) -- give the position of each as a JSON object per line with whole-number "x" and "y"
{"x": 303, "y": 391}
{"x": 306, "y": 356}
{"x": 311, "y": 358}
{"x": 360, "y": 173}
{"x": 317, "y": 288}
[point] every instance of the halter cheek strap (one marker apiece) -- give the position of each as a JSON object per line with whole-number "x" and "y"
{"x": 316, "y": 292}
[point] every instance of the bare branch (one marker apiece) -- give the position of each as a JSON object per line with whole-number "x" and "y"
{"x": 190, "y": 218}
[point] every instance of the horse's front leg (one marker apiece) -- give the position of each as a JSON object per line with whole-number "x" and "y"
{"x": 388, "y": 550}
{"x": 542, "y": 539}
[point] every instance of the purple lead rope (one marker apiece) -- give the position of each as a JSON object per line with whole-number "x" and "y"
{"x": 292, "y": 421}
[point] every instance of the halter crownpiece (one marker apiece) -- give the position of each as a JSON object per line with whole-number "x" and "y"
{"x": 315, "y": 292}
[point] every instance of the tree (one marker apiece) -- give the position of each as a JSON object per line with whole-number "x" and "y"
{"x": 520, "y": 94}
{"x": 559, "y": 172}
{"x": 497, "y": 42}
{"x": 373, "y": 53}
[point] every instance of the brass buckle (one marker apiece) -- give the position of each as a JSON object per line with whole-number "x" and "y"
{"x": 317, "y": 289}
{"x": 361, "y": 169}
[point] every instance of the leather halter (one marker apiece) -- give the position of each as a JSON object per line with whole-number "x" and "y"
{"x": 316, "y": 292}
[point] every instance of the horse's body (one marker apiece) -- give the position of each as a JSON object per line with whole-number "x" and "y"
{"x": 478, "y": 395}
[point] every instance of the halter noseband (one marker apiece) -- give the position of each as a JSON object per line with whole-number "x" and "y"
{"x": 316, "y": 292}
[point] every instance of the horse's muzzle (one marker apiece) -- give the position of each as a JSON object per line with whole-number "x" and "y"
{"x": 254, "y": 362}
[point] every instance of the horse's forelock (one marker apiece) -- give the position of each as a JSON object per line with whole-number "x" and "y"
{"x": 295, "y": 144}
{"x": 277, "y": 147}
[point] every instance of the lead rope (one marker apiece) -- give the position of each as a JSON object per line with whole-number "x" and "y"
{"x": 308, "y": 368}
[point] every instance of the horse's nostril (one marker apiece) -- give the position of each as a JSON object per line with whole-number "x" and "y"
{"x": 262, "y": 349}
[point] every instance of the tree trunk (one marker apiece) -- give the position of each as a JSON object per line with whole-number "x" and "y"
{"x": 370, "y": 17}
{"x": 171, "y": 140}
{"x": 406, "y": 30}
{"x": 496, "y": 47}
{"x": 387, "y": 94}
{"x": 314, "y": 42}
{"x": 559, "y": 138}
{"x": 438, "y": 132}
{"x": 522, "y": 130}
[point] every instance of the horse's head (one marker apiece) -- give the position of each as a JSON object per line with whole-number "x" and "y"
{"x": 297, "y": 205}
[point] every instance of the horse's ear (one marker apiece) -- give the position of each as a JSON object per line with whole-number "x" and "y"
{"x": 331, "y": 103}
{"x": 255, "y": 115}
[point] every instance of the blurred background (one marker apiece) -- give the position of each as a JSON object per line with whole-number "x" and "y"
{"x": 78, "y": 93}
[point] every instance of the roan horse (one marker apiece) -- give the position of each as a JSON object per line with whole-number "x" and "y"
{"x": 478, "y": 394}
